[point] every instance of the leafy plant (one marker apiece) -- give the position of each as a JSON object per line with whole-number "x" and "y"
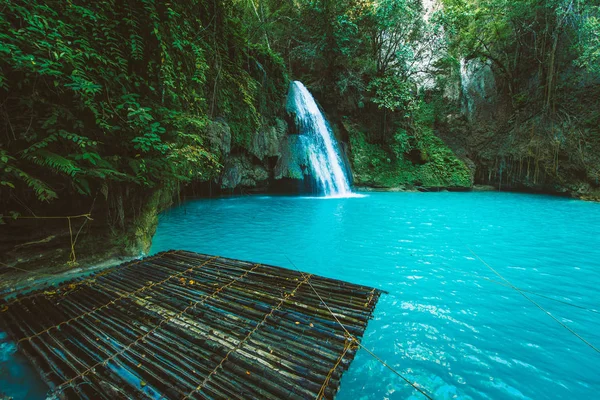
{"x": 94, "y": 93}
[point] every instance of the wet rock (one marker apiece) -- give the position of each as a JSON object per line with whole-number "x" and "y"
{"x": 241, "y": 171}
{"x": 293, "y": 162}
{"x": 267, "y": 141}
{"x": 484, "y": 188}
{"x": 219, "y": 136}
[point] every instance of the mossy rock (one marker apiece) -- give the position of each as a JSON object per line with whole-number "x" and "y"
{"x": 429, "y": 163}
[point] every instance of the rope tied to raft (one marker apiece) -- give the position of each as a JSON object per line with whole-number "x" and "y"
{"x": 349, "y": 344}
{"x": 72, "y": 256}
{"x": 413, "y": 384}
{"x": 239, "y": 345}
{"x": 69, "y": 382}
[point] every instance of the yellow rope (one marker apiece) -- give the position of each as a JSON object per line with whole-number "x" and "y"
{"x": 194, "y": 305}
{"x": 347, "y": 346}
{"x": 368, "y": 303}
{"x": 88, "y": 217}
{"x": 129, "y": 294}
{"x": 72, "y": 257}
{"x": 414, "y": 385}
{"x": 239, "y": 345}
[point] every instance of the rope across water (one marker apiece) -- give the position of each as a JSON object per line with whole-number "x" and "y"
{"x": 354, "y": 339}
{"x": 535, "y": 303}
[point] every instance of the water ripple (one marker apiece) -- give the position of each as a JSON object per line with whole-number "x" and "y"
{"x": 445, "y": 323}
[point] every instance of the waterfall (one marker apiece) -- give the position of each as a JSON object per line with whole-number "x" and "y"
{"x": 322, "y": 149}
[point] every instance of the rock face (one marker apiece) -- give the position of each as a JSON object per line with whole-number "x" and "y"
{"x": 290, "y": 154}
{"x": 512, "y": 142}
{"x": 479, "y": 93}
{"x": 293, "y": 162}
{"x": 219, "y": 136}
{"x": 122, "y": 224}
{"x": 250, "y": 168}
{"x": 275, "y": 159}
{"x": 241, "y": 171}
{"x": 267, "y": 141}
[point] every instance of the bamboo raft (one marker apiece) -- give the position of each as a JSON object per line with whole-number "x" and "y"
{"x": 184, "y": 325}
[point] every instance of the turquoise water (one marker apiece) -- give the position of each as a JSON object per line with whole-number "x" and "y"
{"x": 18, "y": 379}
{"x": 444, "y": 323}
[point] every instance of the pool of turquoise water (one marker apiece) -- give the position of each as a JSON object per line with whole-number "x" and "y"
{"x": 446, "y": 323}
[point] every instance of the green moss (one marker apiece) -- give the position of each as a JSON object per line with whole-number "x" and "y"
{"x": 135, "y": 237}
{"x": 251, "y": 97}
{"x": 415, "y": 159}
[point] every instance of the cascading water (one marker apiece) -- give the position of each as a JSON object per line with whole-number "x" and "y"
{"x": 323, "y": 153}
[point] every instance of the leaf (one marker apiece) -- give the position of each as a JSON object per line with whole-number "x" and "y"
{"x": 82, "y": 186}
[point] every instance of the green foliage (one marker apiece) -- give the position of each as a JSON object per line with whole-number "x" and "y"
{"x": 442, "y": 167}
{"x": 402, "y": 143}
{"x": 588, "y": 45}
{"x": 415, "y": 158}
{"x": 545, "y": 57}
{"x": 339, "y": 48}
{"x": 526, "y": 38}
{"x": 392, "y": 93}
{"x": 10, "y": 175}
{"x": 362, "y": 59}
{"x": 101, "y": 92}
{"x": 399, "y": 28}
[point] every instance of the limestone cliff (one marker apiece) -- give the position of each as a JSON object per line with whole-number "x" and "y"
{"x": 514, "y": 143}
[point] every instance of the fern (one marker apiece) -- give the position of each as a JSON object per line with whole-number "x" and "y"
{"x": 54, "y": 161}
{"x": 42, "y": 191}
{"x": 116, "y": 92}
